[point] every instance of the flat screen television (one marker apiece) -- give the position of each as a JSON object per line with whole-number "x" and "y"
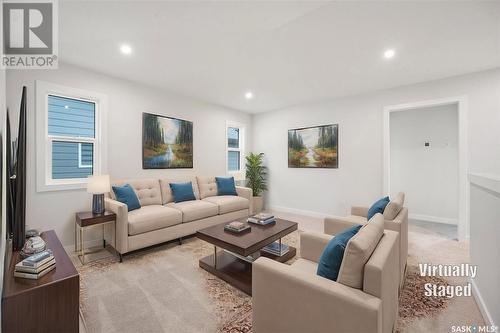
{"x": 16, "y": 178}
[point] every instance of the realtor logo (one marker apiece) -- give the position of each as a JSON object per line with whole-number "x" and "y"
{"x": 29, "y": 32}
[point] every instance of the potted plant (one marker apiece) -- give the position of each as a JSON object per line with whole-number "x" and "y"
{"x": 256, "y": 179}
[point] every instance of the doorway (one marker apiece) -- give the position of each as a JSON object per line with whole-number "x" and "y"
{"x": 425, "y": 157}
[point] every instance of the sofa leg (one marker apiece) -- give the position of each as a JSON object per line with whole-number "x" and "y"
{"x": 121, "y": 257}
{"x": 180, "y": 240}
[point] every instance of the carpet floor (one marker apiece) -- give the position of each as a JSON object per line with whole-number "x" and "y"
{"x": 163, "y": 290}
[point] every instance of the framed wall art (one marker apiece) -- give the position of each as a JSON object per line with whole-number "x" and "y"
{"x": 167, "y": 143}
{"x": 313, "y": 147}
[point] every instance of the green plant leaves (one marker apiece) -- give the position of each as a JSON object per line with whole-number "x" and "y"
{"x": 256, "y": 173}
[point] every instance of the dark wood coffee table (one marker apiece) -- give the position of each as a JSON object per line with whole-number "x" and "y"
{"x": 236, "y": 268}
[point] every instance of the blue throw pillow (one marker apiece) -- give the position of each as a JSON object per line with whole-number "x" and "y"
{"x": 182, "y": 191}
{"x": 378, "y": 207}
{"x": 127, "y": 195}
{"x": 331, "y": 258}
{"x": 225, "y": 186}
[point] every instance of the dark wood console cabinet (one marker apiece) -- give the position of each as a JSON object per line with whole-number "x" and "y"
{"x": 49, "y": 304}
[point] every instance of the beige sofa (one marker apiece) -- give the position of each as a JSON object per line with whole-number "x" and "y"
{"x": 396, "y": 219}
{"x": 160, "y": 219}
{"x": 293, "y": 298}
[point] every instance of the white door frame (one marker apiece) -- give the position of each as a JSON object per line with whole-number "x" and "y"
{"x": 463, "y": 185}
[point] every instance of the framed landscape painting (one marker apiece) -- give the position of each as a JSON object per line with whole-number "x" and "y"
{"x": 313, "y": 147}
{"x": 167, "y": 143}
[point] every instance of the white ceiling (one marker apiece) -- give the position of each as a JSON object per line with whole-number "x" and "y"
{"x": 286, "y": 52}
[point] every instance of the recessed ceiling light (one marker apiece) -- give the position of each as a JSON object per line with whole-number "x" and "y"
{"x": 389, "y": 54}
{"x": 66, "y": 107}
{"x": 249, "y": 95}
{"x": 126, "y": 49}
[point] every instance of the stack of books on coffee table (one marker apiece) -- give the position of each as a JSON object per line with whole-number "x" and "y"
{"x": 276, "y": 249}
{"x": 237, "y": 227}
{"x": 262, "y": 219}
{"x": 35, "y": 266}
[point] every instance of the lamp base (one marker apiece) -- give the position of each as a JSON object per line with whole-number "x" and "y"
{"x": 98, "y": 204}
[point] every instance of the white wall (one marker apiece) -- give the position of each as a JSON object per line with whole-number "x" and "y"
{"x": 484, "y": 245}
{"x": 358, "y": 180}
{"x": 126, "y": 102}
{"x": 427, "y": 175}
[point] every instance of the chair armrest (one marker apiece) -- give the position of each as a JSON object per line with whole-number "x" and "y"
{"x": 246, "y": 192}
{"x": 121, "y": 225}
{"x": 312, "y": 245}
{"x": 400, "y": 225}
{"x": 381, "y": 277}
{"x": 334, "y": 225}
{"x": 287, "y": 300}
{"x": 359, "y": 211}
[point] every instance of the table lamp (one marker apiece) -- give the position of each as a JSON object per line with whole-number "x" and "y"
{"x": 98, "y": 185}
{"x": 239, "y": 178}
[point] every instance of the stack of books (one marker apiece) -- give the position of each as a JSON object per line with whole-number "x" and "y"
{"x": 274, "y": 248}
{"x": 236, "y": 227}
{"x": 262, "y": 219}
{"x": 35, "y": 266}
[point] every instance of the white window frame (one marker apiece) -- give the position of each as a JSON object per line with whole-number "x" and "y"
{"x": 239, "y": 174}
{"x": 44, "y": 140}
{"x": 80, "y": 163}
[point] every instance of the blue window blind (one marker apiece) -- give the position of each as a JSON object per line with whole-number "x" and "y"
{"x": 66, "y": 159}
{"x": 233, "y": 160}
{"x": 86, "y": 155}
{"x": 71, "y": 117}
{"x": 233, "y": 137}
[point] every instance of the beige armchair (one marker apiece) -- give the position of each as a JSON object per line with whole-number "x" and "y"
{"x": 292, "y": 298}
{"x": 395, "y": 218}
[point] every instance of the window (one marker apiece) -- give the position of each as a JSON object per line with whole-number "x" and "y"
{"x": 235, "y": 151}
{"x": 71, "y": 136}
{"x": 68, "y": 136}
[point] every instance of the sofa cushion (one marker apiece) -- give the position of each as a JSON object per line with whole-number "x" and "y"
{"x": 304, "y": 265}
{"x": 228, "y": 203}
{"x": 225, "y": 186}
{"x": 355, "y": 219}
{"x": 358, "y": 251}
{"x": 377, "y": 207}
{"x": 166, "y": 191}
{"x": 331, "y": 259}
{"x": 195, "y": 209}
{"x": 152, "y": 217}
{"x": 125, "y": 194}
{"x": 182, "y": 191}
{"x": 207, "y": 187}
{"x": 147, "y": 190}
{"x": 394, "y": 207}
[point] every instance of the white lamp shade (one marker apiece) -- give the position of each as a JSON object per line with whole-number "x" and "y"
{"x": 98, "y": 184}
{"x": 238, "y": 176}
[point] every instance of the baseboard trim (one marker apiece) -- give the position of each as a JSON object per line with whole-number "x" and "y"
{"x": 304, "y": 212}
{"x": 436, "y": 219}
{"x": 480, "y": 303}
{"x": 311, "y": 213}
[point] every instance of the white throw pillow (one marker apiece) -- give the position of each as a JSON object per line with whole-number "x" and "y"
{"x": 358, "y": 250}
{"x": 394, "y": 207}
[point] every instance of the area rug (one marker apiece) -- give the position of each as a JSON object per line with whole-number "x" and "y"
{"x": 413, "y": 304}
{"x": 163, "y": 289}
